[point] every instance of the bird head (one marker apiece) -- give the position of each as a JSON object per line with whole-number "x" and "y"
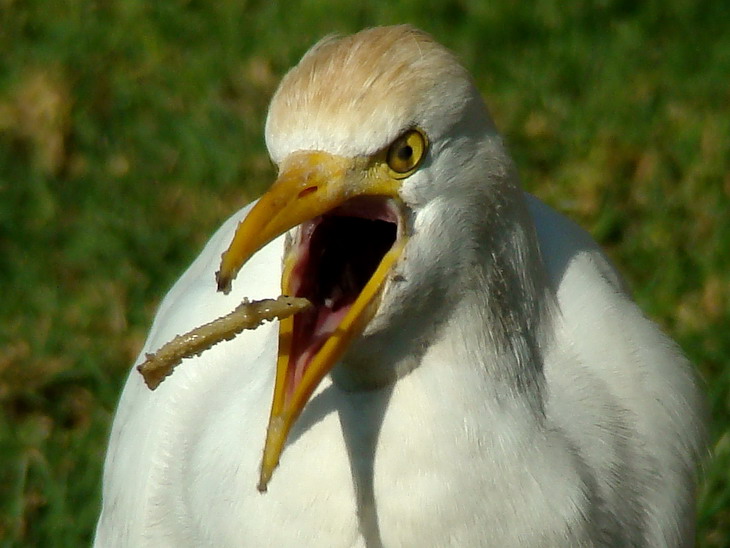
{"x": 383, "y": 145}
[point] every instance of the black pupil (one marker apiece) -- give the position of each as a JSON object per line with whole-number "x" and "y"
{"x": 405, "y": 152}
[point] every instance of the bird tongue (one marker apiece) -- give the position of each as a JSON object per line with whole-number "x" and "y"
{"x": 337, "y": 253}
{"x": 308, "y": 337}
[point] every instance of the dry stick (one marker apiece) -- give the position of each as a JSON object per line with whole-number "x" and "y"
{"x": 247, "y": 315}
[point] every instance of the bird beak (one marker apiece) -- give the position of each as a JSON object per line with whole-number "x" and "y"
{"x": 310, "y": 185}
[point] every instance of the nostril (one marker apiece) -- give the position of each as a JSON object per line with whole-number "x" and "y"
{"x": 307, "y": 190}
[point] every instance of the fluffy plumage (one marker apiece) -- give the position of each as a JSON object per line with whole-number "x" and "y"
{"x": 507, "y": 391}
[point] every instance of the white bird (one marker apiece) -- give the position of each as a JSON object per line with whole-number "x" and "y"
{"x": 473, "y": 372}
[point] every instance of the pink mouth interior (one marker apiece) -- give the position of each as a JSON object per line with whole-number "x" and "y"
{"x": 337, "y": 254}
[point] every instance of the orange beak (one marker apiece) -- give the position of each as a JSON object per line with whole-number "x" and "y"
{"x": 310, "y": 184}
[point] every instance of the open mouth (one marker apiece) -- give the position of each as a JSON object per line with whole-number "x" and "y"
{"x": 351, "y": 234}
{"x": 334, "y": 257}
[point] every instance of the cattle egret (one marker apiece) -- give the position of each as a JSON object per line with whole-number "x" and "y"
{"x": 472, "y": 371}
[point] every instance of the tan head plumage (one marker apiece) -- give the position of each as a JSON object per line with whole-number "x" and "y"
{"x": 379, "y": 80}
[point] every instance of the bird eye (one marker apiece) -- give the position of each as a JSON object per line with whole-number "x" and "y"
{"x": 406, "y": 153}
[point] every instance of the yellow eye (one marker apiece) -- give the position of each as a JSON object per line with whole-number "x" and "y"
{"x": 406, "y": 153}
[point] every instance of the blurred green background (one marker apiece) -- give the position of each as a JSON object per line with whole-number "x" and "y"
{"x": 130, "y": 129}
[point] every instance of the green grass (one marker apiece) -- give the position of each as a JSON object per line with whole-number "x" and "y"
{"x": 129, "y": 130}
